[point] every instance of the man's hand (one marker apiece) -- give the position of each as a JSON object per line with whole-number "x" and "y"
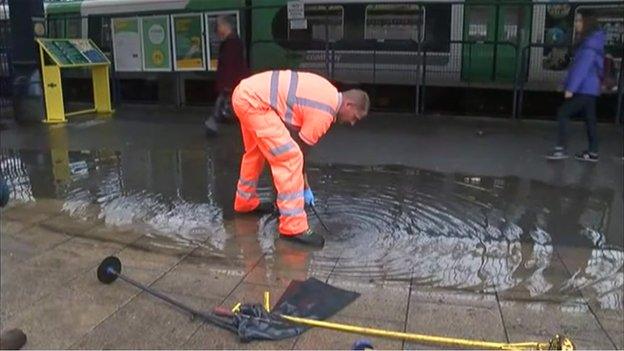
{"x": 567, "y": 94}
{"x": 308, "y": 197}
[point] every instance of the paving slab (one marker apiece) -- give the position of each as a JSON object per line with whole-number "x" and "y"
{"x": 64, "y": 317}
{"x": 385, "y": 301}
{"x": 104, "y": 232}
{"x": 27, "y": 213}
{"x": 451, "y": 313}
{"x": 29, "y": 242}
{"x": 540, "y": 321}
{"x": 325, "y": 339}
{"x": 147, "y": 323}
{"x": 145, "y": 259}
{"x": 11, "y": 226}
{"x": 45, "y": 274}
{"x": 613, "y": 324}
{"x": 290, "y": 262}
{"x": 205, "y": 275}
{"x": 69, "y": 225}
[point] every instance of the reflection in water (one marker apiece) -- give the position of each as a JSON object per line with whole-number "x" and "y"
{"x": 388, "y": 223}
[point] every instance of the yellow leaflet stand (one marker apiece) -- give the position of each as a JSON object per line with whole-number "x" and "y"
{"x": 57, "y": 54}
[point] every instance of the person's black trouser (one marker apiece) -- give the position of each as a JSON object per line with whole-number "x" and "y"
{"x": 223, "y": 107}
{"x": 578, "y": 104}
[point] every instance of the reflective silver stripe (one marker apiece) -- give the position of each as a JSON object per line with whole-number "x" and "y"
{"x": 246, "y": 182}
{"x": 290, "y": 196}
{"x": 245, "y": 195}
{"x": 291, "y": 212}
{"x": 291, "y": 97}
{"x": 274, "y": 88}
{"x": 282, "y": 149}
{"x": 316, "y": 105}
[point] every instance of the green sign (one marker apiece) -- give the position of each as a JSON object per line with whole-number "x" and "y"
{"x": 156, "y": 43}
{"x": 73, "y": 52}
{"x": 188, "y": 43}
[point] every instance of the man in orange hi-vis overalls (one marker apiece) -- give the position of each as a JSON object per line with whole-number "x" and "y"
{"x": 281, "y": 114}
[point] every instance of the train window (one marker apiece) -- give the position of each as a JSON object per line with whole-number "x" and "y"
{"x": 73, "y": 28}
{"x": 56, "y": 28}
{"x": 319, "y": 18}
{"x": 394, "y": 22}
{"x": 611, "y": 24}
{"x": 65, "y": 28}
{"x": 512, "y": 18}
{"x": 99, "y": 32}
{"x": 478, "y": 17}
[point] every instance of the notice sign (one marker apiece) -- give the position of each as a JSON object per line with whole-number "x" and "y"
{"x": 298, "y": 24}
{"x": 156, "y": 43}
{"x": 126, "y": 44}
{"x": 296, "y": 10}
{"x": 188, "y": 42}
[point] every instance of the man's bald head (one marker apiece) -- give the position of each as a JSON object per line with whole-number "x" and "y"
{"x": 354, "y": 107}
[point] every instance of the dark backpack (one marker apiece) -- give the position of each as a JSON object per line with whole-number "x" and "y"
{"x": 609, "y": 77}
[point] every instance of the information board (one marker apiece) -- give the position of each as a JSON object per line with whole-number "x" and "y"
{"x": 212, "y": 38}
{"x": 188, "y": 43}
{"x": 156, "y": 43}
{"x": 127, "y": 44}
{"x": 73, "y": 52}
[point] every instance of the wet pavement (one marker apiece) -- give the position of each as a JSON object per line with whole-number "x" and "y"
{"x": 454, "y": 227}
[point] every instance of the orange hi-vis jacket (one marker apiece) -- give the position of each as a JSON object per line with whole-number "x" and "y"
{"x": 304, "y": 101}
{"x": 270, "y": 106}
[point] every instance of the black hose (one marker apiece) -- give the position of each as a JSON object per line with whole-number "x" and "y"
{"x": 207, "y": 317}
{"x": 320, "y": 220}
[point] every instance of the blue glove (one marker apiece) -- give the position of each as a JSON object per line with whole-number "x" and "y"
{"x": 308, "y": 197}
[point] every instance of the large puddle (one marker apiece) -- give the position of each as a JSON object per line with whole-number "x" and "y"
{"x": 387, "y": 223}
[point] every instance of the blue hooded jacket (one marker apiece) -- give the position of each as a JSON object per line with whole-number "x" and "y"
{"x": 585, "y": 75}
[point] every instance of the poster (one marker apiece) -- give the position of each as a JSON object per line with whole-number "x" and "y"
{"x": 156, "y": 43}
{"x": 127, "y": 44}
{"x": 212, "y": 38}
{"x": 557, "y": 31}
{"x": 188, "y": 42}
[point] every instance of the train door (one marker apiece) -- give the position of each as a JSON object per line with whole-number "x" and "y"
{"x": 488, "y": 30}
{"x": 514, "y": 23}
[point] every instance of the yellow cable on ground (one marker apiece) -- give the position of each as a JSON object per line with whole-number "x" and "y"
{"x": 557, "y": 343}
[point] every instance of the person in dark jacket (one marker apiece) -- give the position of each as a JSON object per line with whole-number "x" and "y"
{"x": 231, "y": 69}
{"x": 582, "y": 86}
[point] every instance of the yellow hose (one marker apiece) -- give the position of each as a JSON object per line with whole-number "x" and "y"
{"x": 438, "y": 340}
{"x": 558, "y": 342}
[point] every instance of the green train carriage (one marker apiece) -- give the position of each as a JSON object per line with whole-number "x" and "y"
{"x": 468, "y": 43}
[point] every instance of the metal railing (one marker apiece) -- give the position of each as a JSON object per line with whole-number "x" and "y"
{"x": 425, "y": 66}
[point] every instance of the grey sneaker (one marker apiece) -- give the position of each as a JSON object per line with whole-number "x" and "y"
{"x": 587, "y": 156}
{"x": 212, "y": 128}
{"x": 558, "y": 153}
{"x": 309, "y": 238}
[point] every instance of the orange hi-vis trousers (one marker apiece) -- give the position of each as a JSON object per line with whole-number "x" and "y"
{"x": 265, "y": 137}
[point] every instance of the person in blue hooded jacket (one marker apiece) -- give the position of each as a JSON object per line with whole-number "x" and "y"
{"x": 582, "y": 86}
